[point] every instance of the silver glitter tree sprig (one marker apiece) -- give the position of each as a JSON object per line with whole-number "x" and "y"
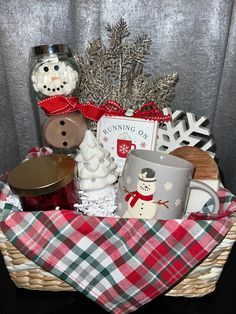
{"x": 116, "y": 71}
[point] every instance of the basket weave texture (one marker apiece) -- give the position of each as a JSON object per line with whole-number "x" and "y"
{"x": 199, "y": 282}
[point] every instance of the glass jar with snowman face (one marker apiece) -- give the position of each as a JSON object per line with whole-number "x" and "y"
{"x": 53, "y": 72}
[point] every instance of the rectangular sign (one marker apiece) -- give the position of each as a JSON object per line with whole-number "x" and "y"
{"x": 121, "y": 134}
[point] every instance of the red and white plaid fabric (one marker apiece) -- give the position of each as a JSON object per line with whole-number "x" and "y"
{"x": 37, "y": 151}
{"x": 119, "y": 263}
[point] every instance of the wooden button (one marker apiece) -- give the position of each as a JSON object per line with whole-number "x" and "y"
{"x": 64, "y": 131}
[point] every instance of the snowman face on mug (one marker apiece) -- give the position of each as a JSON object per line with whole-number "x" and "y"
{"x": 146, "y": 188}
{"x": 54, "y": 77}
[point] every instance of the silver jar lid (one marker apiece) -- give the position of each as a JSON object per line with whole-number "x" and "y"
{"x": 51, "y": 49}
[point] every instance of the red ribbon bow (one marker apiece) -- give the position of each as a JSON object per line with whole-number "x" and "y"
{"x": 58, "y": 105}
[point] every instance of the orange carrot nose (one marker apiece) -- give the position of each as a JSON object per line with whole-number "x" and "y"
{"x": 53, "y": 78}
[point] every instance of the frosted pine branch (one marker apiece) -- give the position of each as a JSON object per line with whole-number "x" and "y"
{"x": 116, "y": 71}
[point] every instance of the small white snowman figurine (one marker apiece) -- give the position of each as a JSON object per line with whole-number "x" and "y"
{"x": 141, "y": 203}
{"x": 54, "y": 80}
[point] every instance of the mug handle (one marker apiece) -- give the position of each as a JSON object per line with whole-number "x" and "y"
{"x": 133, "y": 146}
{"x": 195, "y": 184}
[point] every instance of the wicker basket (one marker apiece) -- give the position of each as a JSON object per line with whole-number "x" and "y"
{"x": 199, "y": 282}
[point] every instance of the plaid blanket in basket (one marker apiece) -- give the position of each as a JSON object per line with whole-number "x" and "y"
{"x": 119, "y": 263}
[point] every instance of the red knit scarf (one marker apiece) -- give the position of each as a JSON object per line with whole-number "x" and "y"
{"x": 136, "y": 195}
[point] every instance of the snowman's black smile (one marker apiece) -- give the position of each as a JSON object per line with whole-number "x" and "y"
{"x": 54, "y": 89}
{"x": 145, "y": 188}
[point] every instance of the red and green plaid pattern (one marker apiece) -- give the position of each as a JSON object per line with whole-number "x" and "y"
{"x": 5, "y": 207}
{"x": 119, "y": 263}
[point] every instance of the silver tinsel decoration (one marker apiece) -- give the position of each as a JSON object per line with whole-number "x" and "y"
{"x": 98, "y": 206}
{"x": 115, "y": 70}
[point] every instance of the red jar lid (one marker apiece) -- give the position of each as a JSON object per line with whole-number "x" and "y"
{"x": 42, "y": 175}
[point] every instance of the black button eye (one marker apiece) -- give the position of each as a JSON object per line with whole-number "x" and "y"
{"x": 45, "y": 69}
{"x": 56, "y": 67}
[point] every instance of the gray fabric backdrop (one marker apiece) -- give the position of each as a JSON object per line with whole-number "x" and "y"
{"x": 196, "y": 39}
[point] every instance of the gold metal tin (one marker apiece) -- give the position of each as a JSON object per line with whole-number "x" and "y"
{"x": 42, "y": 175}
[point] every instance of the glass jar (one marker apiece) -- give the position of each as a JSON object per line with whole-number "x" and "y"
{"x": 53, "y": 71}
{"x": 54, "y": 78}
{"x": 45, "y": 183}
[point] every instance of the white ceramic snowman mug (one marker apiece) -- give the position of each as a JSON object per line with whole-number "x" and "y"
{"x": 157, "y": 185}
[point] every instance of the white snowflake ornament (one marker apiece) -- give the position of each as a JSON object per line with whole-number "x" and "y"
{"x": 184, "y": 129}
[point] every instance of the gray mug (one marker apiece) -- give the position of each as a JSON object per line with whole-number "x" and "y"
{"x": 157, "y": 185}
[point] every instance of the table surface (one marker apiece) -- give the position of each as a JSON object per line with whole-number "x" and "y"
{"x": 20, "y": 301}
